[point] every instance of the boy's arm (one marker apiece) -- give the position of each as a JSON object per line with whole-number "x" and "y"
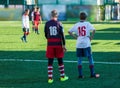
{"x": 74, "y": 36}
{"x": 62, "y": 36}
{"x": 40, "y": 19}
{"x": 63, "y": 41}
{"x": 92, "y": 35}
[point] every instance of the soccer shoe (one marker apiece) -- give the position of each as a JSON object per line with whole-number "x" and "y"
{"x": 95, "y": 76}
{"x": 38, "y": 33}
{"x": 64, "y": 78}
{"x": 50, "y": 80}
{"x": 25, "y": 41}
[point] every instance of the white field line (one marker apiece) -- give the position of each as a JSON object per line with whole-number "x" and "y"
{"x": 66, "y": 61}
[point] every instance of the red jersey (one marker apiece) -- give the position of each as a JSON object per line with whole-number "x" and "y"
{"x": 54, "y": 33}
{"x": 37, "y": 16}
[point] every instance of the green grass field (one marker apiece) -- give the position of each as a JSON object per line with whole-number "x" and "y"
{"x": 19, "y": 67}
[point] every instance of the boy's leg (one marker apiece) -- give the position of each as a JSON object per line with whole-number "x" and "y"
{"x": 80, "y": 67}
{"x": 37, "y": 28}
{"x": 33, "y": 26}
{"x": 50, "y": 70}
{"x": 25, "y": 35}
{"x": 91, "y": 64}
{"x": 23, "y": 38}
{"x": 26, "y": 32}
{"x": 80, "y": 54}
{"x": 61, "y": 69}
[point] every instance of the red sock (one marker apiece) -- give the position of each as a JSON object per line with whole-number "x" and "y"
{"x": 61, "y": 69}
{"x": 50, "y": 71}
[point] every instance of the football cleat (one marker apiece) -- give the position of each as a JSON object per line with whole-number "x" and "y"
{"x": 25, "y": 41}
{"x": 95, "y": 76}
{"x": 64, "y": 78}
{"x": 50, "y": 81}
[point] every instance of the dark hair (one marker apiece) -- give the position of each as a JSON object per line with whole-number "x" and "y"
{"x": 37, "y": 8}
{"x": 54, "y": 13}
{"x": 26, "y": 10}
{"x": 83, "y": 16}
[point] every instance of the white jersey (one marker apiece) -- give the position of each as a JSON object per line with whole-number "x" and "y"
{"x": 82, "y": 30}
{"x": 25, "y": 21}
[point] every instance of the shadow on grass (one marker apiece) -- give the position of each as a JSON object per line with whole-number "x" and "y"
{"x": 69, "y": 55}
{"x": 111, "y": 29}
{"x": 117, "y": 43}
{"x": 15, "y": 74}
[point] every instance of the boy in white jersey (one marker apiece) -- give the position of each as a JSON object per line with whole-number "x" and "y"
{"x": 82, "y": 30}
{"x": 25, "y": 25}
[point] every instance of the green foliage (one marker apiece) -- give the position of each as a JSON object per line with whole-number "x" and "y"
{"x": 102, "y": 12}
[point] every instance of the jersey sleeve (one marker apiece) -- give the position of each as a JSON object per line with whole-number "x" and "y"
{"x": 62, "y": 33}
{"x": 72, "y": 29}
{"x": 24, "y": 21}
{"x": 61, "y": 26}
{"x": 90, "y": 26}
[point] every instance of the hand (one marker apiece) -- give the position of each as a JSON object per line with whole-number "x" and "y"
{"x": 90, "y": 38}
{"x": 64, "y": 48}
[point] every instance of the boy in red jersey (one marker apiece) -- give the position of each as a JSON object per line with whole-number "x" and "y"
{"x": 37, "y": 19}
{"x": 32, "y": 18}
{"x": 55, "y": 46}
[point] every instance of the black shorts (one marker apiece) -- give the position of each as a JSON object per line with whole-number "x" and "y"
{"x": 25, "y": 29}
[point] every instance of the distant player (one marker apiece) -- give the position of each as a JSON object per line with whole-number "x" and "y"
{"x": 25, "y": 25}
{"x": 32, "y": 18}
{"x": 55, "y": 46}
{"x": 37, "y": 19}
{"x": 82, "y": 30}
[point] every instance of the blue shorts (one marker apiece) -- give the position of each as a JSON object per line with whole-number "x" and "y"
{"x": 83, "y": 52}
